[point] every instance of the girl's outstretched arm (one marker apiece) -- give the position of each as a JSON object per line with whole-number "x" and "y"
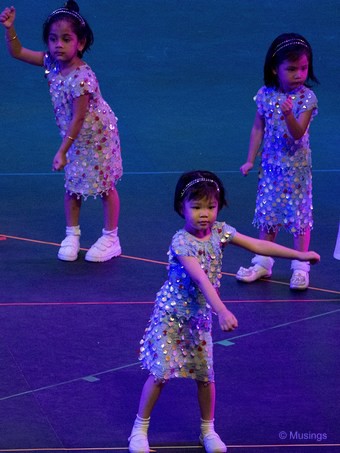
{"x": 15, "y": 49}
{"x": 268, "y": 248}
{"x": 226, "y": 319}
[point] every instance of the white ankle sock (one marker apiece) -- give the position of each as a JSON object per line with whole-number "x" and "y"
{"x": 112, "y": 233}
{"x": 207, "y": 427}
{"x": 141, "y": 425}
{"x": 73, "y": 230}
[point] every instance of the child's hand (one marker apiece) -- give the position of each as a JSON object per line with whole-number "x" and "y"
{"x": 227, "y": 320}
{"x": 246, "y": 168}
{"x": 287, "y": 106}
{"x": 7, "y": 17}
{"x": 312, "y": 257}
{"x": 59, "y": 161}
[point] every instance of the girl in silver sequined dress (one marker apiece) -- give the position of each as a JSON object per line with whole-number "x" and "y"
{"x": 90, "y": 147}
{"x": 177, "y": 342}
{"x": 285, "y": 108}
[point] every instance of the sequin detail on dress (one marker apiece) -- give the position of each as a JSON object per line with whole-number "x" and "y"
{"x": 94, "y": 159}
{"x": 177, "y": 341}
{"x": 284, "y": 196}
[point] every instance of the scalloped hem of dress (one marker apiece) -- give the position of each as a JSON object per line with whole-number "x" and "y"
{"x": 277, "y": 228}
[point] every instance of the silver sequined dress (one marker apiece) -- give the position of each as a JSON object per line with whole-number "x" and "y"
{"x": 94, "y": 159}
{"x": 284, "y": 195}
{"x": 177, "y": 341}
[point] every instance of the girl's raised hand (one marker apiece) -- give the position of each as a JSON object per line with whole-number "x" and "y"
{"x": 227, "y": 320}
{"x": 287, "y": 106}
{"x": 7, "y": 16}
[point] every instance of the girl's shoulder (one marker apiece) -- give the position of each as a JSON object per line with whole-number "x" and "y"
{"x": 183, "y": 243}
{"x": 50, "y": 65}
{"x": 305, "y": 99}
{"x": 224, "y": 231}
{"x": 265, "y": 92}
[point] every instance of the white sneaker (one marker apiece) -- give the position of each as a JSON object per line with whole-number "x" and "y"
{"x": 138, "y": 443}
{"x": 252, "y": 273}
{"x": 299, "y": 280}
{"x": 104, "y": 249}
{"x": 69, "y": 248}
{"x": 212, "y": 443}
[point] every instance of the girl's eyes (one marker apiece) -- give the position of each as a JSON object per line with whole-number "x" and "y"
{"x": 64, "y": 38}
{"x": 209, "y": 207}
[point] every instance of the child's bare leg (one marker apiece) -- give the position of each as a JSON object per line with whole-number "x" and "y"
{"x": 300, "y": 277}
{"x": 111, "y": 207}
{"x": 72, "y": 207}
{"x": 302, "y": 241}
{"x": 267, "y": 236}
{"x": 206, "y": 399}
{"x": 138, "y": 440}
{"x": 150, "y": 394}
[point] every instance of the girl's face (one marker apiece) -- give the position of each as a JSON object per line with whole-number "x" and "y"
{"x": 64, "y": 44}
{"x": 292, "y": 74}
{"x": 199, "y": 215}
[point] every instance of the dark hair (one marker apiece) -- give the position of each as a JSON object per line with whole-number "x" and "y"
{"x": 70, "y": 13}
{"x": 288, "y": 46}
{"x": 196, "y": 185}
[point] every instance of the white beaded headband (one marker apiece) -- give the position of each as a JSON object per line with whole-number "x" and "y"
{"x": 290, "y": 42}
{"x": 69, "y": 12}
{"x": 195, "y": 181}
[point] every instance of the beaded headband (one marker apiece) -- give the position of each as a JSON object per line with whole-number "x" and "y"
{"x": 69, "y": 12}
{"x": 288, "y": 43}
{"x": 195, "y": 181}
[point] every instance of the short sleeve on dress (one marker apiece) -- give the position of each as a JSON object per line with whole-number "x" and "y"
{"x": 50, "y": 65}
{"x": 84, "y": 82}
{"x": 308, "y": 101}
{"x": 227, "y": 233}
{"x": 259, "y": 99}
{"x": 182, "y": 245}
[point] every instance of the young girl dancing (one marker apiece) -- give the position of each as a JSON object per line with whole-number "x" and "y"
{"x": 90, "y": 147}
{"x": 285, "y": 108}
{"x": 178, "y": 342}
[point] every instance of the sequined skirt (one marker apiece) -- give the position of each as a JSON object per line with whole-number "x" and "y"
{"x": 93, "y": 170}
{"x": 178, "y": 347}
{"x": 284, "y": 200}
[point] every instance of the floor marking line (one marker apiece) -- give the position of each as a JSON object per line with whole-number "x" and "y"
{"x": 83, "y": 378}
{"x": 163, "y": 263}
{"x": 276, "y": 327}
{"x": 93, "y": 375}
{"x": 163, "y": 447}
